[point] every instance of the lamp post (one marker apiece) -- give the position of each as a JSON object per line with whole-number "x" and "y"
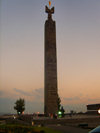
{"x": 98, "y": 111}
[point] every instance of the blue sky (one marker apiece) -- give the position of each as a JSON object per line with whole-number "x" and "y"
{"x": 22, "y": 52}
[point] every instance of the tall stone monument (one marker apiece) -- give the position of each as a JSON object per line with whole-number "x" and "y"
{"x": 51, "y": 91}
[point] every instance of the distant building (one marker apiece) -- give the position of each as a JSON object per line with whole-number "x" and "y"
{"x": 93, "y": 108}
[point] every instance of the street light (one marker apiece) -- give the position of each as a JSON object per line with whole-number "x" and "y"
{"x": 60, "y": 114}
{"x": 99, "y": 111}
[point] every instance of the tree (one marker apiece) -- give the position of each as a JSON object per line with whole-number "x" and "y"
{"x": 63, "y": 111}
{"x": 72, "y": 112}
{"x": 19, "y": 106}
{"x": 59, "y": 102}
{"x": 60, "y": 108}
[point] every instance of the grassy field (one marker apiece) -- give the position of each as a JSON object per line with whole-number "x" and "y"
{"x": 25, "y": 129}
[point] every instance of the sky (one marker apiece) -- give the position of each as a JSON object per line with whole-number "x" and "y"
{"x": 22, "y": 53}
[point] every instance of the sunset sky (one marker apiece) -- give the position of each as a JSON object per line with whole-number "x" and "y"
{"x": 22, "y": 53}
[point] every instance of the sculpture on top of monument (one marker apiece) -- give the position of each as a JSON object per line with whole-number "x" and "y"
{"x": 49, "y": 11}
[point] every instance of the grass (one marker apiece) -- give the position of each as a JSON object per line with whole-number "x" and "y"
{"x": 12, "y": 128}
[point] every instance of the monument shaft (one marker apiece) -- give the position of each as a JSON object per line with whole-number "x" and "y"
{"x": 51, "y": 91}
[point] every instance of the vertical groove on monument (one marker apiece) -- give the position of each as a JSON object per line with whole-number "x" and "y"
{"x": 51, "y": 91}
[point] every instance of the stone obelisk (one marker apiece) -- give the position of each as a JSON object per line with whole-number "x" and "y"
{"x": 51, "y": 91}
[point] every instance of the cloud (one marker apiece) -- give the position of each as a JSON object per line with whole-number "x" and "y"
{"x": 22, "y": 92}
{"x": 93, "y": 99}
{"x": 75, "y": 107}
{"x": 34, "y": 100}
{"x": 39, "y": 90}
{"x": 36, "y": 94}
{"x": 1, "y": 93}
{"x": 6, "y": 105}
{"x": 72, "y": 98}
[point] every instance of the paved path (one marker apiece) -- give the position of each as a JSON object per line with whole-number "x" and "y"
{"x": 68, "y": 129}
